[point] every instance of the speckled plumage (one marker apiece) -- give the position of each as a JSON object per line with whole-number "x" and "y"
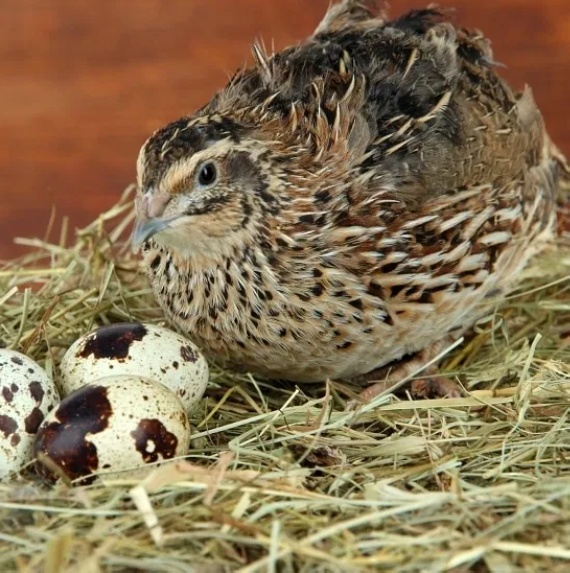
{"x": 375, "y": 189}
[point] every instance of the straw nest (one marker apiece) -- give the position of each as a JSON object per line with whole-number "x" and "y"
{"x": 283, "y": 478}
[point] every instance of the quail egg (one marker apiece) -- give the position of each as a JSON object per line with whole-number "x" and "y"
{"x": 116, "y": 424}
{"x": 140, "y": 350}
{"x": 27, "y": 394}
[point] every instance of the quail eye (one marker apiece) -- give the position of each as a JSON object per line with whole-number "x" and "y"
{"x": 208, "y": 174}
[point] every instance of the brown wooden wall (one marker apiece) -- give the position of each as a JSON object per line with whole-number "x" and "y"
{"x": 82, "y": 84}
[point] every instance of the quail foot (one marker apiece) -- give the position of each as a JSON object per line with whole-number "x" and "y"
{"x": 344, "y": 206}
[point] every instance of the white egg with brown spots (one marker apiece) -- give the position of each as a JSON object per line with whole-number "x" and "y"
{"x": 117, "y": 424}
{"x": 137, "y": 349}
{"x": 27, "y": 395}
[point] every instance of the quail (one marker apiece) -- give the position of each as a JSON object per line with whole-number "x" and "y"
{"x": 346, "y": 207}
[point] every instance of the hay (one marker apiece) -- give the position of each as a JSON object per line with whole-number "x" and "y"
{"x": 283, "y": 478}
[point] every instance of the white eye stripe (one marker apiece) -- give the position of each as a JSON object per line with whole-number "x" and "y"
{"x": 178, "y": 173}
{"x": 141, "y": 164}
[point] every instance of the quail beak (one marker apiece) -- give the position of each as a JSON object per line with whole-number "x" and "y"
{"x": 145, "y": 228}
{"x": 149, "y": 220}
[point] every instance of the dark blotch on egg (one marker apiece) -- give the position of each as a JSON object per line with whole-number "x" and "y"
{"x": 63, "y": 441}
{"x": 7, "y": 394}
{"x": 113, "y": 341}
{"x": 152, "y": 440}
{"x": 188, "y": 354}
{"x": 7, "y": 425}
{"x": 33, "y": 420}
{"x": 36, "y": 391}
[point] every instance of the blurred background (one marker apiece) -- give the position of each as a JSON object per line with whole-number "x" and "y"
{"x": 83, "y": 84}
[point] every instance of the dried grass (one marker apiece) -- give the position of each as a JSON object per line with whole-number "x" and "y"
{"x": 283, "y": 478}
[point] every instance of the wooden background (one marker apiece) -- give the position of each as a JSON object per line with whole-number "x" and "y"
{"x": 83, "y": 84}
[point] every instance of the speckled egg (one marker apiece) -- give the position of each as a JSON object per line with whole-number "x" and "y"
{"x": 140, "y": 350}
{"x": 117, "y": 424}
{"x": 27, "y": 394}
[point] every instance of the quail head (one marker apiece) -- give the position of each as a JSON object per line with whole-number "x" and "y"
{"x": 349, "y": 204}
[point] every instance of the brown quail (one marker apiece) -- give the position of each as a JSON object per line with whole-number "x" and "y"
{"x": 349, "y": 204}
